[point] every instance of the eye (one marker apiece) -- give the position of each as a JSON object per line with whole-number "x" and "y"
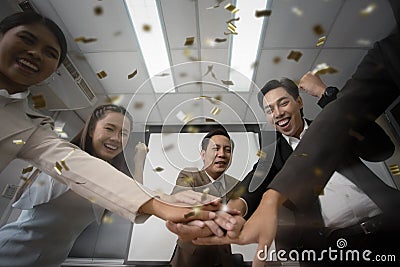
{"x": 51, "y": 54}
{"x": 109, "y": 129}
{"x": 267, "y": 110}
{"x": 284, "y": 103}
{"x": 27, "y": 40}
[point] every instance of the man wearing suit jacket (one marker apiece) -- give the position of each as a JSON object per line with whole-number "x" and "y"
{"x": 216, "y": 150}
{"x": 340, "y": 205}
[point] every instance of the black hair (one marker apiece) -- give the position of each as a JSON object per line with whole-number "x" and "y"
{"x": 84, "y": 141}
{"x": 286, "y": 84}
{"x": 218, "y": 131}
{"x": 31, "y": 17}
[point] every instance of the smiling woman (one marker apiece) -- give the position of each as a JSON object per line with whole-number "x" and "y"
{"x": 47, "y": 203}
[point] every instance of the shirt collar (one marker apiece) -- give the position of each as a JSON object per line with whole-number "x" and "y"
{"x": 17, "y": 96}
{"x": 221, "y": 178}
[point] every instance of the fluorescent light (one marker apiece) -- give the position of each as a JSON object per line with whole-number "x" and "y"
{"x": 246, "y": 43}
{"x": 152, "y": 43}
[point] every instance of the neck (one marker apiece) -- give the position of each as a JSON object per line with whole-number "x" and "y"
{"x": 10, "y": 86}
{"x": 300, "y": 130}
{"x": 215, "y": 176}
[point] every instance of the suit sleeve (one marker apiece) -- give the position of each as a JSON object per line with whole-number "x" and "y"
{"x": 373, "y": 87}
{"x": 87, "y": 176}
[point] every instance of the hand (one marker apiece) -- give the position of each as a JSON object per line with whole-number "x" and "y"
{"x": 194, "y": 198}
{"x": 260, "y": 228}
{"x": 312, "y": 84}
{"x": 141, "y": 151}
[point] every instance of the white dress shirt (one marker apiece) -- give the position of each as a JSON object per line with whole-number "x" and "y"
{"x": 342, "y": 203}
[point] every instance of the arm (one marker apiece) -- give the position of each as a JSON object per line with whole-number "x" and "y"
{"x": 314, "y": 86}
{"x": 141, "y": 151}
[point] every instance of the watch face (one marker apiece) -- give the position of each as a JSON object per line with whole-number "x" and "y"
{"x": 330, "y": 91}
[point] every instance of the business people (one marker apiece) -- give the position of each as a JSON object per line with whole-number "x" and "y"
{"x": 31, "y": 49}
{"x": 216, "y": 151}
{"x": 373, "y": 87}
{"x": 53, "y": 216}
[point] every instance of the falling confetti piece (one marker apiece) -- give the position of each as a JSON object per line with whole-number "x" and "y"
{"x": 107, "y": 219}
{"x": 85, "y": 40}
{"x": 364, "y": 42}
{"x": 98, "y": 10}
{"x": 220, "y": 40}
{"x": 318, "y": 29}
{"x": 368, "y": 10}
{"x": 323, "y": 68}
{"x": 64, "y": 165}
{"x": 113, "y": 99}
{"x": 321, "y": 41}
{"x": 301, "y": 155}
{"x": 227, "y": 82}
{"x": 205, "y": 194}
{"x": 27, "y": 169}
{"x": 261, "y": 154}
{"x": 318, "y": 171}
{"x": 158, "y": 169}
{"x": 263, "y": 13}
{"x": 185, "y": 118}
{"x": 276, "y": 60}
{"x": 232, "y": 28}
{"x": 356, "y": 135}
{"x": 210, "y": 120}
{"x": 162, "y": 75}
{"x": 102, "y": 74}
{"x": 58, "y": 168}
{"x": 233, "y": 9}
{"x": 146, "y": 27}
{"x": 232, "y": 20}
{"x": 168, "y": 147}
{"x": 189, "y": 41}
{"x": 229, "y": 33}
{"x": 192, "y": 129}
{"x": 215, "y": 111}
{"x": 209, "y": 69}
{"x": 38, "y": 101}
{"x": 133, "y": 74}
{"x": 297, "y": 11}
{"x": 295, "y": 55}
{"x": 19, "y": 142}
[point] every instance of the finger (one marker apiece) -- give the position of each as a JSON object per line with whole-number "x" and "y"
{"x": 212, "y": 240}
{"x": 197, "y": 223}
{"x": 225, "y": 220}
{"x": 185, "y": 199}
{"x": 214, "y": 228}
{"x": 196, "y": 214}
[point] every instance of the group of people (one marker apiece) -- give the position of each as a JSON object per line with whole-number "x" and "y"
{"x": 321, "y": 179}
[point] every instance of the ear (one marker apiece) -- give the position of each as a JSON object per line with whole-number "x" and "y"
{"x": 202, "y": 154}
{"x": 300, "y": 102}
{"x": 90, "y": 133}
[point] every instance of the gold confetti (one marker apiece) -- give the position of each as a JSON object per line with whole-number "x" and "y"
{"x": 113, "y": 99}
{"x": 218, "y": 98}
{"x": 58, "y": 168}
{"x": 232, "y": 28}
{"x": 368, "y": 10}
{"x": 107, "y": 219}
{"x": 231, "y": 8}
{"x": 254, "y": 64}
{"x": 261, "y": 154}
{"x": 295, "y": 55}
{"x": 102, "y": 74}
{"x": 168, "y": 147}
{"x": 27, "y": 169}
{"x": 301, "y": 155}
{"x": 158, "y": 169}
{"x": 188, "y": 180}
{"x": 189, "y": 214}
{"x": 238, "y": 192}
{"x": 232, "y": 20}
{"x": 85, "y": 40}
{"x": 297, "y": 11}
{"x": 215, "y": 111}
{"x": 146, "y": 27}
{"x": 321, "y": 41}
{"x": 227, "y": 82}
{"x": 138, "y": 105}
{"x": 220, "y": 40}
{"x": 162, "y": 75}
{"x": 394, "y": 167}
{"x": 192, "y": 129}
{"x": 209, "y": 69}
{"x": 323, "y": 68}
{"x": 92, "y": 199}
{"x": 117, "y": 33}
{"x": 133, "y": 74}
{"x": 276, "y": 60}
{"x": 98, "y": 10}
{"x": 216, "y": 5}
{"x": 38, "y": 101}
{"x": 184, "y": 117}
{"x": 228, "y": 33}
{"x": 19, "y": 142}
{"x": 183, "y": 74}
{"x": 318, "y": 172}
{"x": 263, "y": 13}
{"x": 210, "y": 120}
{"x": 318, "y": 29}
{"x": 364, "y": 42}
{"x": 356, "y": 135}
{"x": 64, "y": 165}
{"x": 189, "y": 41}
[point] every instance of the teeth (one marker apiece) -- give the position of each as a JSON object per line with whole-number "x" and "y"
{"x": 283, "y": 122}
{"x": 28, "y": 64}
{"x": 110, "y": 146}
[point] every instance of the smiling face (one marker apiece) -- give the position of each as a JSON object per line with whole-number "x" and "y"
{"x": 110, "y": 135}
{"x": 217, "y": 156}
{"x": 283, "y": 112}
{"x": 28, "y": 55}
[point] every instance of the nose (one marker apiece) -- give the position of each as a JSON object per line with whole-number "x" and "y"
{"x": 278, "y": 113}
{"x": 221, "y": 153}
{"x": 35, "y": 53}
{"x": 116, "y": 136}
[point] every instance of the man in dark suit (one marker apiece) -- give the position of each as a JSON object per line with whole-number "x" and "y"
{"x": 373, "y": 87}
{"x": 216, "y": 150}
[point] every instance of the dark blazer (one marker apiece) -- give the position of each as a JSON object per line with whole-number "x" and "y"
{"x": 372, "y": 88}
{"x": 186, "y": 253}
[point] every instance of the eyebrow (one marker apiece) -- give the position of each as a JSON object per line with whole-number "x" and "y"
{"x": 35, "y": 38}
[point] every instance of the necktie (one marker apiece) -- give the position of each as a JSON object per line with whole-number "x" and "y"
{"x": 221, "y": 190}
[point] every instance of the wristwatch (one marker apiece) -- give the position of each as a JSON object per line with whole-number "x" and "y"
{"x": 328, "y": 96}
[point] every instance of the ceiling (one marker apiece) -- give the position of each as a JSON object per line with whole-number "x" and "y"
{"x": 116, "y": 51}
